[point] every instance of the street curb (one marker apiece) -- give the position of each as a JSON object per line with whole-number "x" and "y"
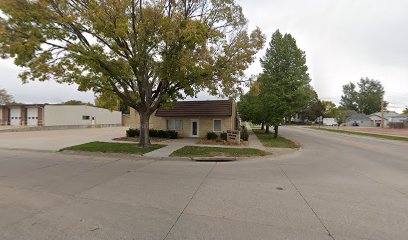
{"x": 214, "y": 159}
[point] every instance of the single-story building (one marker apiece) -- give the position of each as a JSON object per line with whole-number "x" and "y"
{"x": 57, "y": 115}
{"x": 376, "y": 118}
{"x": 193, "y": 118}
{"x": 360, "y": 120}
{"x": 400, "y": 121}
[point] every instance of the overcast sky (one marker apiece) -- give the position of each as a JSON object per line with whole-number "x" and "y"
{"x": 344, "y": 40}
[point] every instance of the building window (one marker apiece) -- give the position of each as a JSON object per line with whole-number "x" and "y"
{"x": 173, "y": 124}
{"x": 217, "y": 125}
{"x": 86, "y": 117}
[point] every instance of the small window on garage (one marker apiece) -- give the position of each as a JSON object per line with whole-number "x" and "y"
{"x": 217, "y": 125}
{"x": 86, "y": 117}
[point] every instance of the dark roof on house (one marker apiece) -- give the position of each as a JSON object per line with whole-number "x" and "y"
{"x": 197, "y": 108}
{"x": 358, "y": 116}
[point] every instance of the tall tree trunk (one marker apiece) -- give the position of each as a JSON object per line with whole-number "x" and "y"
{"x": 263, "y": 126}
{"x": 144, "y": 140}
{"x": 267, "y": 128}
{"x": 275, "y": 134}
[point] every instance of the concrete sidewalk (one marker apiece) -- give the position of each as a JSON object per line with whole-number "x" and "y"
{"x": 253, "y": 139}
{"x": 172, "y": 145}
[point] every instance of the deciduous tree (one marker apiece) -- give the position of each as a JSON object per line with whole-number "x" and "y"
{"x": 366, "y": 99}
{"x": 75, "y": 102}
{"x": 249, "y": 105}
{"x": 5, "y": 97}
{"x": 147, "y": 52}
{"x": 314, "y": 108}
{"x": 370, "y": 96}
{"x": 330, "y": 109}
{"x": 284, "y": 82}
{"x": 349, "y": 99}
{"x": 111, "y": 102}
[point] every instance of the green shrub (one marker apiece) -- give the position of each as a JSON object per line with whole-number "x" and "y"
{"x": 132, "y": 132}
{"x": 244, "y": 135}
{"x": 223, "y": 136}
{"x": 212, "y": 136}
{"x": 172, "y": 134}
{"x": 162, "y": 134}
{"x": 153, "y": 133}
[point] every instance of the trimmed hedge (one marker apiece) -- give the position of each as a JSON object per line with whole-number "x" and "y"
{"x": 132, "y": 132}
{"x": 212, "y": 136}
{"x": 153, "y": 133}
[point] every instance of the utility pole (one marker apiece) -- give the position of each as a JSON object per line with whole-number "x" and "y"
{"x": 382, "y": 112}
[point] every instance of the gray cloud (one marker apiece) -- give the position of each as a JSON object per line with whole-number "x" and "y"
{"x": 344, "y": 40}
{"x": 38, "y": 92}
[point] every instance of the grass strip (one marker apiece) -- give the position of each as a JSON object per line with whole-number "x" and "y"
{"x": 268, "y": 141}
{"x": 375, "y": 135}
{"x": 193, "y": 151}
{"x": 109, "y": 147}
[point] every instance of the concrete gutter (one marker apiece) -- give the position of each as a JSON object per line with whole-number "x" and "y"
{"x": 214, "y": 159}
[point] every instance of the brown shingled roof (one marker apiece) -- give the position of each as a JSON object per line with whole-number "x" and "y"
{"x": 197, "y": 108}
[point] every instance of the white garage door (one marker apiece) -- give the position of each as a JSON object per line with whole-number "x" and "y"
{"x": 32, "y": 116}
{"x": 15, "y": 116}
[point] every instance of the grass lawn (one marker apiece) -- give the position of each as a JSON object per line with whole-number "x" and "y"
{"x": 193, "y": 151}
{"x": 108, "y": 147}
{"x": 268, "y": 141}
{"x": 363, "y": 134}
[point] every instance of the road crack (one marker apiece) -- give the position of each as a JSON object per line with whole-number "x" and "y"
{"x": 307, "y": 203}
{"x": 189, "y": 201}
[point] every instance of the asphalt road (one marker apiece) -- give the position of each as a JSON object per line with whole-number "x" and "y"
{"x": 336, "y": 187}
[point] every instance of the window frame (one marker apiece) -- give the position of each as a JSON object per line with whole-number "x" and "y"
{"x": 174, "y": 124}
{"x": 86, "y": 117}
{"x": 214, "y": 125}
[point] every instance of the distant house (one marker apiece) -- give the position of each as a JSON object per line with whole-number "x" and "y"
{"x": 359, "y": 119}
{"x": 57, "y": 115}
{"x": 400, "y": 121}
{"x": 376, "y": 118}
{"x": 193, "y": 118}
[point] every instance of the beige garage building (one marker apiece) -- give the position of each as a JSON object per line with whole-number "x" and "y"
{"x": 193, "y": 118}
{"x": 57, "y": 115}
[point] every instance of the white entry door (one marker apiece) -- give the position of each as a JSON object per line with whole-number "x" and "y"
{"x": 194, "y": 128}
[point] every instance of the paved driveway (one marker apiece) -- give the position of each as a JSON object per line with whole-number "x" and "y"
{"x": 337, "y": 187}
{"x": 56, "y": 139}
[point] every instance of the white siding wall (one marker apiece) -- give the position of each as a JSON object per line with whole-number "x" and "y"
{"x": 60, "y": 115}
